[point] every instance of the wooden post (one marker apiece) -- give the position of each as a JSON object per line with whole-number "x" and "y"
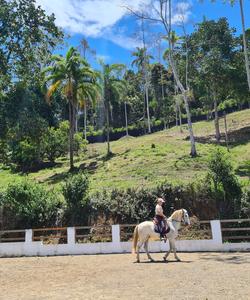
{"x": 226, "y": 136}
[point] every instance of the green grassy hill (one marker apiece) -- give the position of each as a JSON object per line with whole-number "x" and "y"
{"x": 148, "y": 160}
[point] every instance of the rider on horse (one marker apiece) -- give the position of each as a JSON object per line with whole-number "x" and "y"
{"x": 160, "y": 218}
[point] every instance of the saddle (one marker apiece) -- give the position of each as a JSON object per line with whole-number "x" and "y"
{"x": 158, "y": 228}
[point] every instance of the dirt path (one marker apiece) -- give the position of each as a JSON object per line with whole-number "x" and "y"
{"x": 198, "y": 276}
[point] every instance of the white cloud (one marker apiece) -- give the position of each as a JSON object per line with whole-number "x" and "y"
{"x": 89, "y": 17}
{"x": 97, "y": 18}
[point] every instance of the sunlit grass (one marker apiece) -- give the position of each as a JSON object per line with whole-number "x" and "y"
{"x": 149, "y": 160}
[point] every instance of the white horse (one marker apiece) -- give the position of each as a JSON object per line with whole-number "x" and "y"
{"x": 145, "y": 230}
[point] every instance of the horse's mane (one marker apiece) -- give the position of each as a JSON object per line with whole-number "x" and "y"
{"x": 176, "y": 214}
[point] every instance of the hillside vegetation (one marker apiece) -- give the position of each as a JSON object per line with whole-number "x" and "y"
{"x": 151, "y": 159}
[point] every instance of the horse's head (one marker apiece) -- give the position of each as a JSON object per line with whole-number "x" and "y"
{"x": 185, "y": 217}
{"x": 181, "y": 216}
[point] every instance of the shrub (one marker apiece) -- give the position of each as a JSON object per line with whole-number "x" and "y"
{"x": 28, "y": 205}
{"x": 4, "y": 151}
{"x": 245, "y": 204}
{"x": 137, "y": 205}
{"x": 80, "y": 144}
{"x": 225, "y": 184}
{"x": 26, "y": 154}
{"x": 75, "y": 192}
{"x": 55, "y": 141}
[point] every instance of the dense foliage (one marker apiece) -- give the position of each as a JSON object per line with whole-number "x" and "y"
{"x": 26, "y": 205}
{"x": 49, "y": 104}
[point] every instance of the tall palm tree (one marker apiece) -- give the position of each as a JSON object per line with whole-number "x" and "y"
{"x": 70, "y": 73}
{"x": 87, "y": 94}
{"x": 112, "y": 87}
{"x": 84, "y": 49}
{"x": 141, "y": 61}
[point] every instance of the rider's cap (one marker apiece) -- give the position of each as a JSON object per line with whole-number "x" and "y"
{"x": 160, "y": 200}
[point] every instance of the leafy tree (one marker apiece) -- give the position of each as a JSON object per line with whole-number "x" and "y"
{"x": 158, "y": 9}
{"x": 55, "y": 141}
{"x": 27, "y": 37}
{"x": 214, "y": 51}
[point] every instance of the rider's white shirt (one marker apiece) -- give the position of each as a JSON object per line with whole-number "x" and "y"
{"x": 158, "y": 210}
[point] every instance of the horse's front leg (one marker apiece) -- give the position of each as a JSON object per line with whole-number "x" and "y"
{"x": 167, "y": 254}
{"x": 146, "y": 248}
{"x": 174, "y": 249}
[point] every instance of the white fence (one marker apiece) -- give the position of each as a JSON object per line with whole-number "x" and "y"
{"x": 37, "y": 248}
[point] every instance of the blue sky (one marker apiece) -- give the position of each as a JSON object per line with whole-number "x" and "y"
{"x": 113, "y": 34}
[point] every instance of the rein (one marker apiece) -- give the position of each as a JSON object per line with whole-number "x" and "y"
{"x": 177, "y": 220}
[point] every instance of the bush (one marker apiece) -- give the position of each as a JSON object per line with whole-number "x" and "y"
{"x": 80, "y": 144}
{"x": 75, "y": 192}
{"x": 225, "y": 184}
{"x": 29, "y": 205}
{"x": 26, "y": 154}
{"x": 137, "y": 205}
{"x": 55, "y": 141}
{"x": 4, "y": 152}
{"x": 245, "y": 204}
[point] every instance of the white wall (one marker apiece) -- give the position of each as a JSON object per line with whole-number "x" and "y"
{"x": 30, "y": 248}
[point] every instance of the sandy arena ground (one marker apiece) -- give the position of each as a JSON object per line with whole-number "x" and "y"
{"x": 198, "y": 276}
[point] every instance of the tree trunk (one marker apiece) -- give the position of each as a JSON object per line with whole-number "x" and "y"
{"x": 176, "y": 115}
{"x": 245, "y": 43}
{"x": 85, "y": 122}
{"x": 216, "y": 119}
{"x": 165, "y": 124}
{"x": 71, "y": 135}
{"x": 193, "y": 151}
{"x": 126, "y": 117}
{"x": 76, "y": 119}
{"x": 226, "y": 135}
{"x": 147, "y": 105}
{"x": 179, "y": 110}
{"x": 108, "y": 130}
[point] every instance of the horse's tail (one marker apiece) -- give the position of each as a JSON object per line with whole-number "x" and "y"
{"x": 135, "y": 239}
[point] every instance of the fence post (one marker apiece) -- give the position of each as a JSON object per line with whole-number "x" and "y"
{"x": 116, "y": 240}
{"x": 28, "y": 236}
{"x": 71, "y": 235}
{"x": 216, "y": 231}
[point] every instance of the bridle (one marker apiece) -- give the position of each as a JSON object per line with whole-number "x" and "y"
{"x": 182, "y": 218}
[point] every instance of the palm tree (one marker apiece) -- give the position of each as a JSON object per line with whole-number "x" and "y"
{"x": 71, "y": 74}
{"x": 112, "y": 87}
{"x": 141, "y": 61}
{"x": 84, "y": 49}
{"x": 87, "y": 94}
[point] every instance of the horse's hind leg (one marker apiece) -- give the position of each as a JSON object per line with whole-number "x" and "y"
{"x": 146, "y": 248}
{"x": 138, "y": 251}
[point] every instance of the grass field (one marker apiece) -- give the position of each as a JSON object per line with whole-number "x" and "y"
{"x": 151, "y": 159}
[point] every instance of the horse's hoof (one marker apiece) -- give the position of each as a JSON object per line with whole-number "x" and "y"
{"x": 178, "y": 260}
{"x": 152, "y": 260}
{"x": 137, "y": 261}
{"x": 164, "y": 258}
